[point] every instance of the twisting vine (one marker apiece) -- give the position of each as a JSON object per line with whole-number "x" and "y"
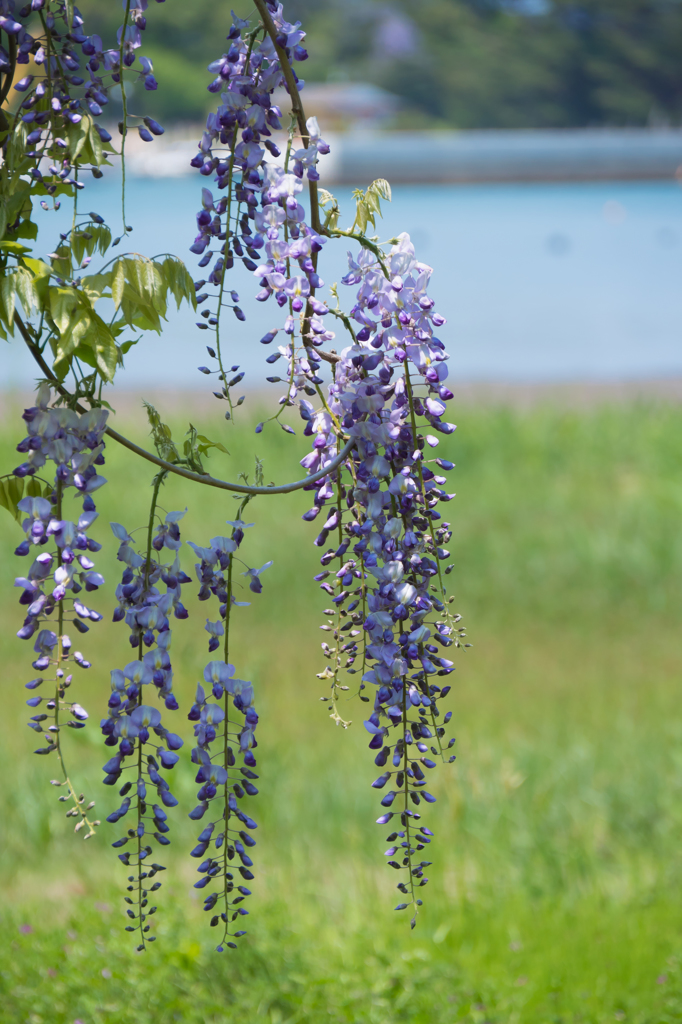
{"x": 372, "y": 470}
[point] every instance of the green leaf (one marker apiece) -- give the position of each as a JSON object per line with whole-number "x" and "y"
{"x": 331, "y": 216}
{"x": 8, "y": 287}
{"x": 15, "y": 247}
{"x": 41, "y": 278}
{"x": 140, "y": 274}
{"x": 69, "y": 339}
{"x": 361, "y": 216}
{"x": 3, "y": 216}
{"x": 79, "y": 245}
{"x": 188, "y": 285}
{"x": 170, "y": 270}
{"x": 11, "y": 493}
{"x": 159, "y": 290}
{"x": 61, "y": 260}
{"x": 95, "y": 284}
{"x": 147, "y": 319}
{"x": 101, "y": 235}
{"x": 96, "y": 145}
{"x": 101, "y": 340}
{"x": 372, "y": 202}
{"x": 382, "y": 188}
{"x": 34, "y": 490}
{"x": 84, "y": 354}
{"x": 144, "y": 294}
{"x": 368, "y": 203}
{"x": 19, "y": 201}
{"x": 118, "y": 327}
{"x": 86, "y": 155}
{"x": 26, "y": 290}
{"x": 77, "y": 135}
{"x": 62, "y": 304}
{"x": 179, "y": 280}
{"x": 192, "y": 450}
{"x": 37, "y": 267}
{"x": 88, "y": 337}
{"x": 27, "y": 229}
{"x": 118, "y": 281}
{"x": 38, "y": 189}
{"x": 16, "y": 147}
{"x": 206, "y": 443}
{"x": 161, "y": 432}
{"x": 138, "y": 313}
{"x": 125, "y": 347}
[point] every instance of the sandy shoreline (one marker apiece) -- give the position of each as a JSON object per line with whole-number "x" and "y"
{"x": 520, "y": 396}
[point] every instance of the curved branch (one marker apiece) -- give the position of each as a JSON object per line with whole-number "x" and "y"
{"x": 296, "y": 105}
{"x": 211, "y": 481}
{"x": 170, "y": 467}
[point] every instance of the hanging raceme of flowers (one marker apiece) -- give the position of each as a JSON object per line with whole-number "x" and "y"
{"x": 224, "y": 731}
{"x": 61, "y": 575}
{"x": 133, "y": 725}
{"x": 373, "y": 471}
{"x": 388, "y": 381}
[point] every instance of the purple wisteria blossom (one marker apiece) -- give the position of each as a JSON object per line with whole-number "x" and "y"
{"x": 56, "y": 589}
{"x": 133, "y": 724}
{"x": 229, "y": 726}
{"x": 389, "y": 585}
{"x": 70, "y": 89}
{"x": 390, "y": 613}
{"x": 260, "y": 220}
{"x": 389, "y": 625}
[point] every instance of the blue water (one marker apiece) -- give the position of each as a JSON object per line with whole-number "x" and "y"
{"x": 538, "y": 282}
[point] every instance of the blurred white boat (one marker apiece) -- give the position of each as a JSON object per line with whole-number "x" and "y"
{"x": 488, "y": 155}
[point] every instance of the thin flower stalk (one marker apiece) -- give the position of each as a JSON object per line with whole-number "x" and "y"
{"x": 133, "y": 724}
{"x": 224, "y": 729}
{"x": 61, "y": 571}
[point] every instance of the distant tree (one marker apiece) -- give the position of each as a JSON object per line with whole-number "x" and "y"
{"x": 459, "y": 63}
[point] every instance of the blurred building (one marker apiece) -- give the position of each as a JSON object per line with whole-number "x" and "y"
{"x": 343, "y": 106}
{"x": 599, "y": 154}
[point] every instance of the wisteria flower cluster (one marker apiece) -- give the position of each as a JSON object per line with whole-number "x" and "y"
{"x": 70, "y": 87}
{"x": 223, "y": 781}
{"x": 133, "y": 725}
{"x": 374, "y": 477}
{"x": 391, "y": 377}
{"x": 260, "y": 215}
{"x": 390, "y": 581}
{"x": 62, "y": 569}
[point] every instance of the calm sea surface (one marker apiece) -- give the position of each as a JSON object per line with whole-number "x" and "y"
{"x": 538, "y": 282}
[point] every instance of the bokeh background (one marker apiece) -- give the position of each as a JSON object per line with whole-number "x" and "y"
{"x": 556, "y": 887}
{"x": 453, "y": 63}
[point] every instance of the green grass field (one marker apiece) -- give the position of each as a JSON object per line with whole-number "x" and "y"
{"x": 556, "y": 888}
